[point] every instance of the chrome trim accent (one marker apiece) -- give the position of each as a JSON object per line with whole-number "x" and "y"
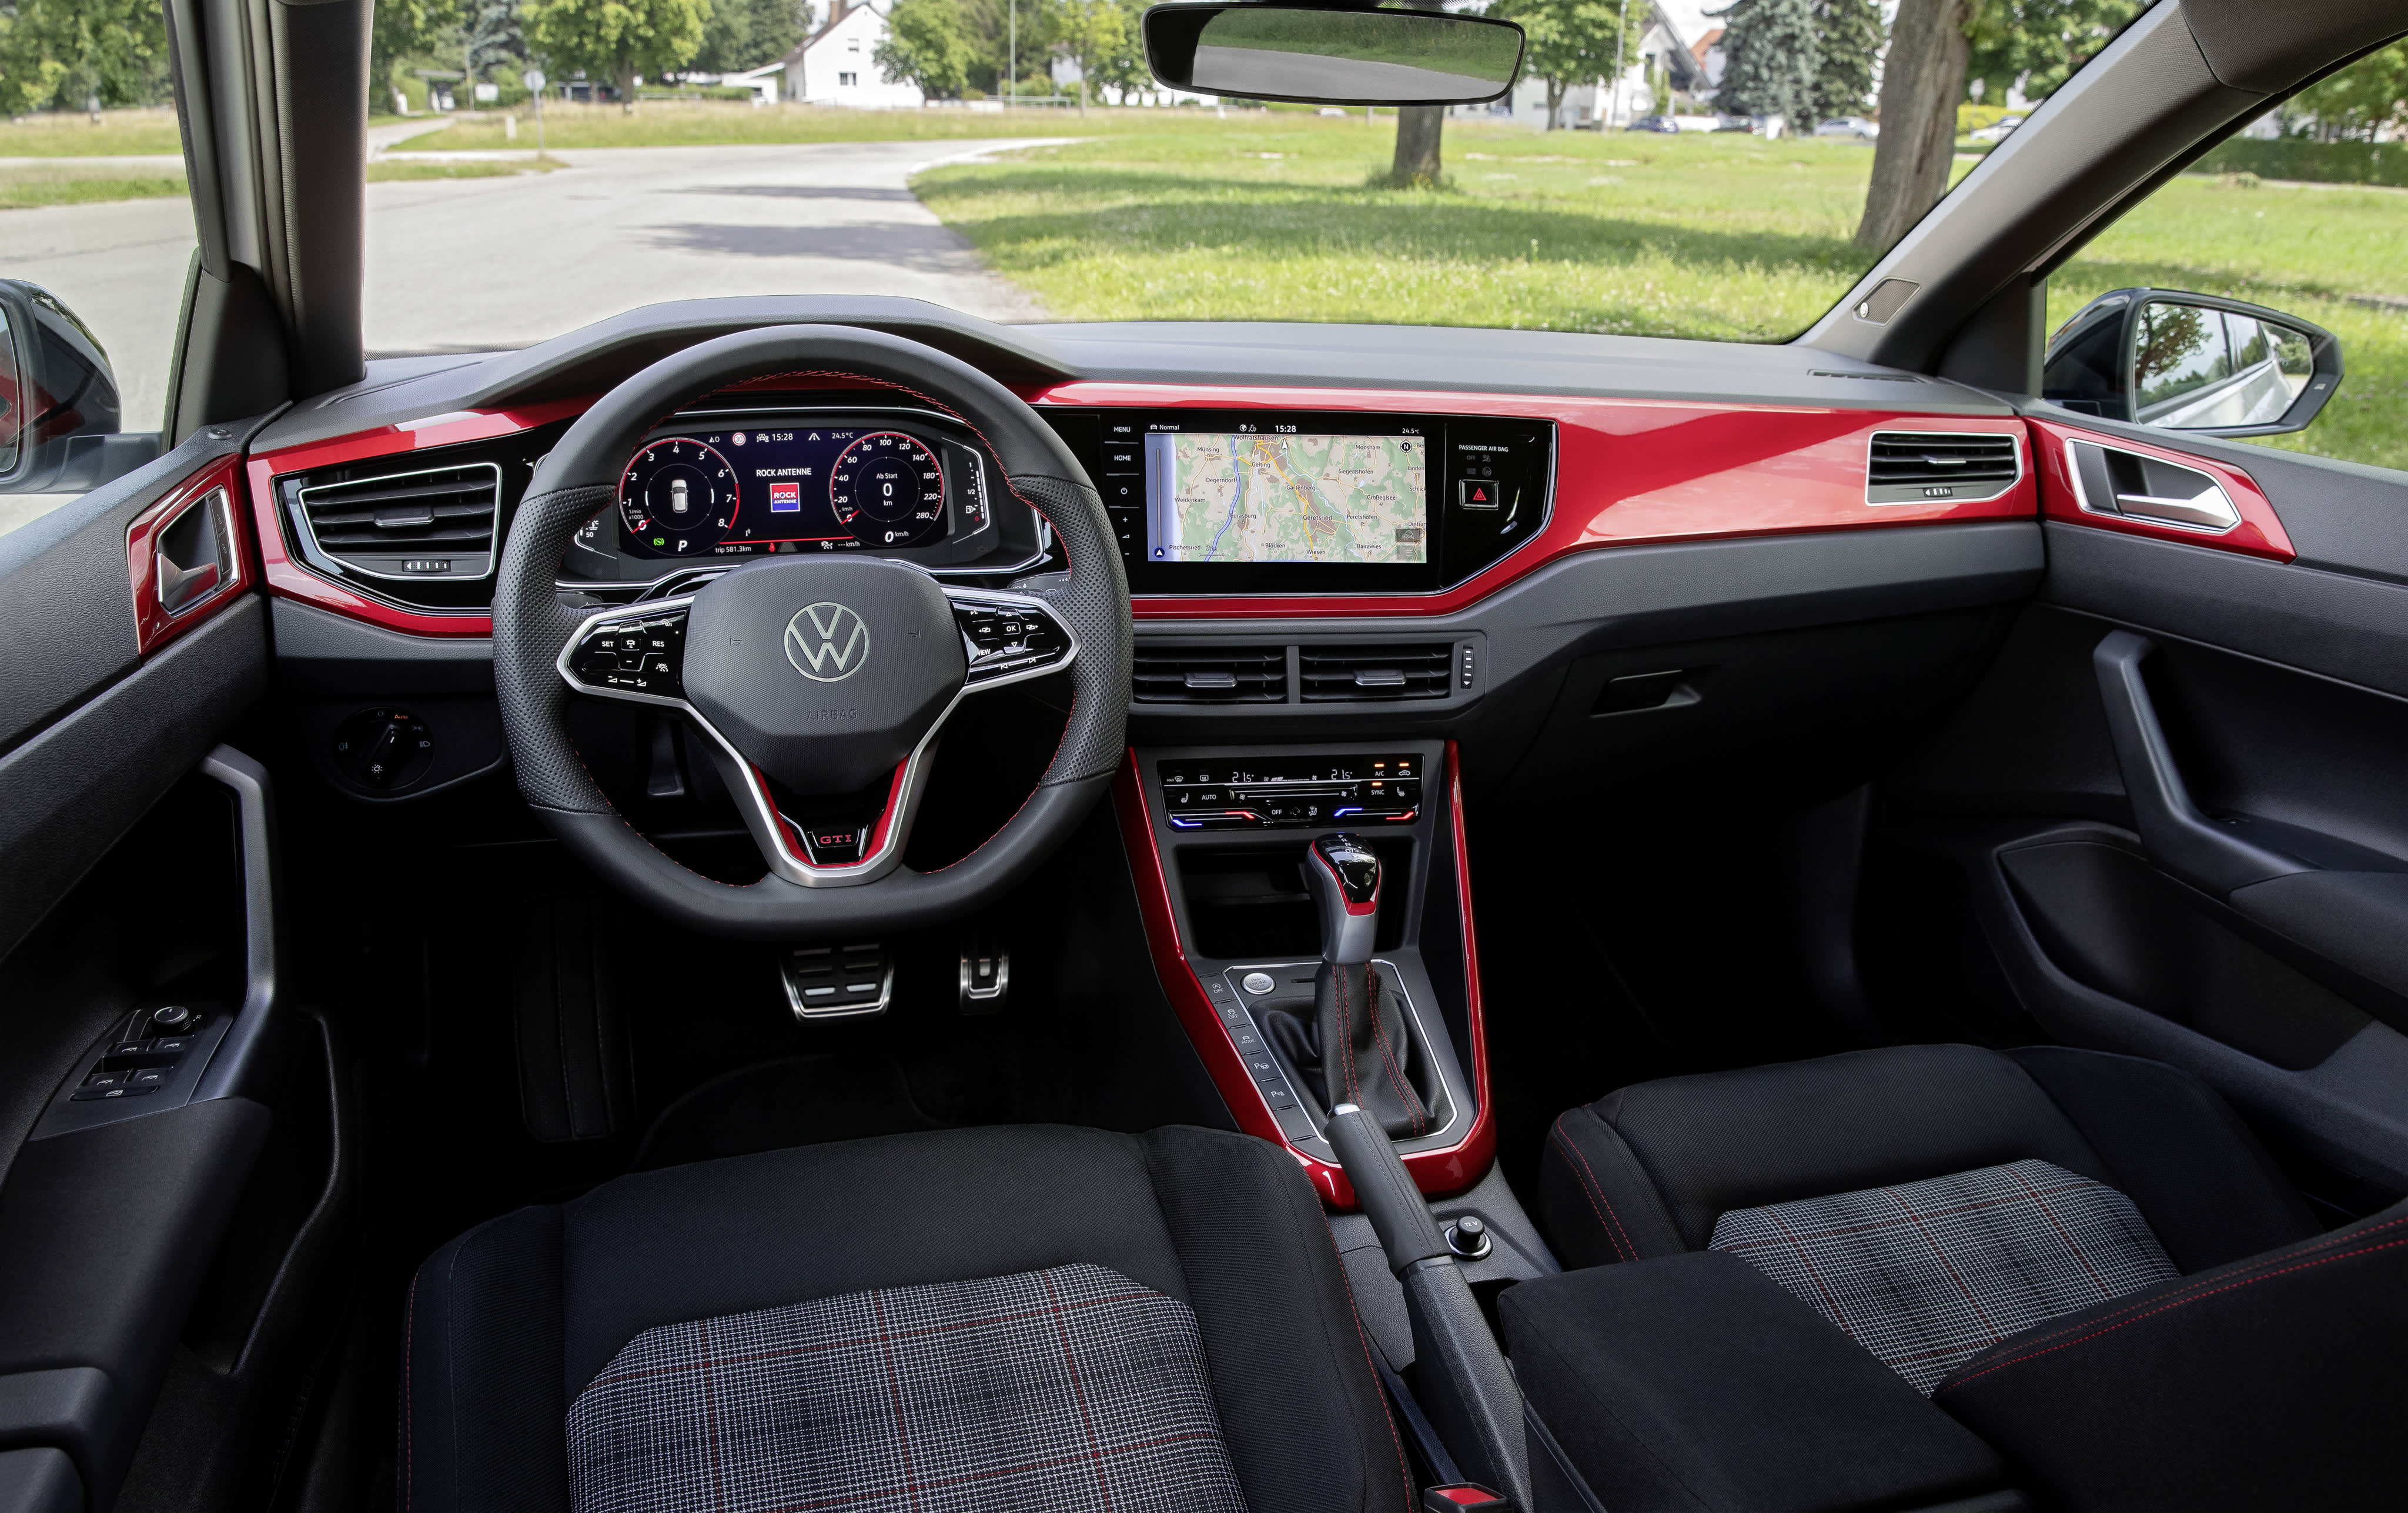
{"x": 760, "y": 811}
{"x": 492, "y": 548}
{"x": 2222, "y": 504}
{"x": 1999, "y": 492}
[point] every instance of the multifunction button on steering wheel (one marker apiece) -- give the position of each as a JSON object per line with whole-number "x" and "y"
{"x": 820, "y": 683}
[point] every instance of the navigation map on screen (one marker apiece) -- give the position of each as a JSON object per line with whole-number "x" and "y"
{"x": 1259, "y": 497}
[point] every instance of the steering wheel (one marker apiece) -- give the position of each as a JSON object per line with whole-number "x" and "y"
{"x": 819, "y": 682}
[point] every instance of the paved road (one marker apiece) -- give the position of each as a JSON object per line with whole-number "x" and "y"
{"x": 480, "y": 263}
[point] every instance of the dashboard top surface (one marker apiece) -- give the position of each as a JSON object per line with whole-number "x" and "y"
{"x": 1033, "y": 358}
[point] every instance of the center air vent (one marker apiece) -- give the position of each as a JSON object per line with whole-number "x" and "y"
{"x": 1328, "y": 673}
{"x": 433, "y": 524}
{"x": 1934, "y": 467}
{"x": 1211, "y": 675}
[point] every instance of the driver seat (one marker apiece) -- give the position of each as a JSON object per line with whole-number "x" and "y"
{"x": 1024, "y": 1316}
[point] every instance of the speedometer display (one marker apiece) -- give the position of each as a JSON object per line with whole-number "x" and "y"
{"x": 679, "y": 497}
{"x": 888, "y": 489}
{"x": 794, "y": 484}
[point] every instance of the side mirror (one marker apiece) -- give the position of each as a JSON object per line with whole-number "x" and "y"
{"x": 59, "y": 419}
{"x": 1322, "y": 56}
{"x": 2192, "y": 363}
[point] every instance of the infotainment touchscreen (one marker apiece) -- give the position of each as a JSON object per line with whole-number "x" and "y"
{"x": 1276, "y": 493}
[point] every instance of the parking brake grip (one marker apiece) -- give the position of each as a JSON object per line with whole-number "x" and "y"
{"x": 1365, "y": 1055}
{"x": 1459, "y": 1372}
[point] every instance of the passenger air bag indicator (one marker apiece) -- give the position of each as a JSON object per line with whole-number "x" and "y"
{"x": 786, "y": 499}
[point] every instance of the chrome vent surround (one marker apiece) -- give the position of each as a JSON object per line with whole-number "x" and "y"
{"x": 1941, "y": 467}
{"x": 434, "y": 524}
{"x": 1328, "y": 675}
{"x": 1209, "y": 675}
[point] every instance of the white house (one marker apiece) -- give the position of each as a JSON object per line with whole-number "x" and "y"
{"x": 1682, "y": 44}
{"x": 838, "y": 64}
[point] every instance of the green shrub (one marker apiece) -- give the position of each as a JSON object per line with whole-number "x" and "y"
{"x": 2320, "y": 163}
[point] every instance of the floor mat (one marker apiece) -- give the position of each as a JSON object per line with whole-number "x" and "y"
{"x": 800, "y": 1100}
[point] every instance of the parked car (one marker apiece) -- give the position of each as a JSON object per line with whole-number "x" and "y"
{"x": 1850, "y": 128}
{"x": 1997, "y": 131}
{"x": 1665, "y": 124}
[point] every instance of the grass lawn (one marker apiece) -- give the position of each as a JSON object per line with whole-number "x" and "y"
{"x": 385, "y": 170}
{"x": 119, "y": 133}
{"x": 1274, "y": 218}
{"x": 675, "y": 123}
{"x": 67, "y": 183}
{"x": 2295, "y": 248}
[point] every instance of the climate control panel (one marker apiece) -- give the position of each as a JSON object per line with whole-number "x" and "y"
{"x": 1287, "y": 792}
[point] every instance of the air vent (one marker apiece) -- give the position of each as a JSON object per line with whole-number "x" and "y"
{"x": 1934, "y": 467}
{"x": 434, "y": 523}
{"x": 1211, "y": 675}
{"x": 1328, "y": 673}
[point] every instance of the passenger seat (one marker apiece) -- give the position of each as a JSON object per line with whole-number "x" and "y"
{"x": 2087, "y": 1259}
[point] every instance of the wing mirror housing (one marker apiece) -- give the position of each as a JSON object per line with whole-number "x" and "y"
{"x": 1321, "y": 55}
{"x": 2194, "y": 363}
{"x": 59, "y": 414}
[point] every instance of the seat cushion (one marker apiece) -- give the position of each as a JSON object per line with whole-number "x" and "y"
{"x": 1068, "y": 1388}
{"x": 1925, "y": 1274}
{"x": 1649, "y": 1170}
{"x": 510, "y": 1323}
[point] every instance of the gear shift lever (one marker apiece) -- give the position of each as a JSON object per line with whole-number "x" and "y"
{"x": 1365, "y": 1052}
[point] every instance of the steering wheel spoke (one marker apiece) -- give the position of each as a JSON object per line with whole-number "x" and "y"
{"x": 1008, "y": 638}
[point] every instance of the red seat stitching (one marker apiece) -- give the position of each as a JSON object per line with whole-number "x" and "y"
{"x": 1615, "y": 1234}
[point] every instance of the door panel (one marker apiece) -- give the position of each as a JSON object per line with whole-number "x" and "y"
{"x": 2174, "y": 809}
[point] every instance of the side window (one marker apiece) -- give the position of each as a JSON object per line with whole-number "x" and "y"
{"x": 2293, "y": 229}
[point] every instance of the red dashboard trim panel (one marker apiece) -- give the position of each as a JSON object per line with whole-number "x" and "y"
{"x": 2260, "y": 532}
{"x": 1629, "y": 473}
{"x": 1436, "y": 1172}
{"x": 290, "y": 579}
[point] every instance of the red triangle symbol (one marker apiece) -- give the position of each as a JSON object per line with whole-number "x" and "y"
{"x": 1479, "y": 492}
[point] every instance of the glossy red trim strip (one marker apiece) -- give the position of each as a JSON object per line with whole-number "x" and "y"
{"x": 1434, "y": 1172}
{"x": 1629, "y": 473}
{"x": 2260, "y": 532}
{"x": 288, "y": 577}
{"x": 152, "y": 625}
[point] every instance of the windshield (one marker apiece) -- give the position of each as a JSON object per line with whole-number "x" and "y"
{"x": 1684, "y": 168}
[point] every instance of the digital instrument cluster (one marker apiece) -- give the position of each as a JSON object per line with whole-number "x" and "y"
{"x": 786, "y": 482}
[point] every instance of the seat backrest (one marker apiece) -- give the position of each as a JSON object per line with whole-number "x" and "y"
{"x": 2274, "y": 1382}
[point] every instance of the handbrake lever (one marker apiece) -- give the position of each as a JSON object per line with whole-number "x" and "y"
{"x": 1469, "y": 1390}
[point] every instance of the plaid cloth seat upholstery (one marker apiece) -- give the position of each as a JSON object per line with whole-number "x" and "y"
{"x": 1072, "y": 1387}
{"x": 1925, "y": 1275}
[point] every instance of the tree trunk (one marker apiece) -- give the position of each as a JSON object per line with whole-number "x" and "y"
{"x": 1083, "y": 89}
{"x": 1556, "y": 92}
{"x": 1418, "y": 128}
{"x": 1922, "y": 80}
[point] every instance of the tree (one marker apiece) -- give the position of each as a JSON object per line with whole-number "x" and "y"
{"x": 1847, "y": 39}
{"x": 1773, "y": 59}
{"x": 2357, "y": 102}
{"x": 399, "y": 29}
{"x": 746, "y": 34}
{"x": 1922, "y": 80}
{"x": 2032, "y": 46}
{"x": 62, "y": 53}
{"x": 1094, "y": 35}
{"x": 618, "y": 40}
{"x": 495, "y": 37}
{"x": 927, "y": 44}
{"x": 1571, "y": 42}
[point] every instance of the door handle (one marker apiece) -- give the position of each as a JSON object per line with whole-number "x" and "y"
{"x": 2179, "y": 838}
{"x": 2110, "y": 480}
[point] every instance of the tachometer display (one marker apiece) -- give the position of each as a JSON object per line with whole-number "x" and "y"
{"x": 679, "y": 497}
{"x": 888, "y": 489}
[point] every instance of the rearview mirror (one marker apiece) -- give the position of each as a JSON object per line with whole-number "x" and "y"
{"x": 2194, "y": 363}
{"x": 58, "y": 398}
{"x": 1320, "y": 56}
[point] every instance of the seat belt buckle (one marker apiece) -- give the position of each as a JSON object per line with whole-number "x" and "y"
{"x": 1464, "y": 1497}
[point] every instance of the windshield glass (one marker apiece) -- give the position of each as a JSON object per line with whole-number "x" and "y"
{"x": 1680, "y": 169}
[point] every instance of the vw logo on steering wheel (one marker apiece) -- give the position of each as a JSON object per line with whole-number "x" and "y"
{"x": 827, "y": 641}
